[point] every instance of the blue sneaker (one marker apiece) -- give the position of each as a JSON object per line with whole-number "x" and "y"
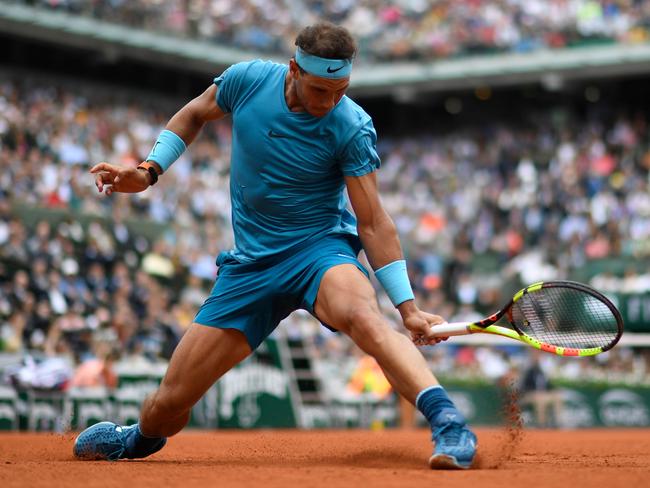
{"x": 455, "y": 443}
{"x": 110, "y": 441}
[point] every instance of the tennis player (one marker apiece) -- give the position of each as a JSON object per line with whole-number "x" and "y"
{"x": 298, "y": 143}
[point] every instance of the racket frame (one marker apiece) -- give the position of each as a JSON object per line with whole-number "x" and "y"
{"x": 486, "y": 326}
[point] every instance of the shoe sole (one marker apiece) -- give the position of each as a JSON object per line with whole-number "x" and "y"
{"x": 445, "y": 461}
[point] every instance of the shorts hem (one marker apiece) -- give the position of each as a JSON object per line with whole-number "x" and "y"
{"x": 253, "y": 344}
{"x": 312, "y": 293}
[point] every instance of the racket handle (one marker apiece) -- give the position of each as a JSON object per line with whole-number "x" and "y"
{"x": 448, "y": 329}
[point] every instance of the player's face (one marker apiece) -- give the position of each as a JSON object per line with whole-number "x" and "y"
{"x": 318, "y": 95}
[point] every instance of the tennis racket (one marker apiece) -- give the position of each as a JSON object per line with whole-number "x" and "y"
{"x": 560, "y": 317}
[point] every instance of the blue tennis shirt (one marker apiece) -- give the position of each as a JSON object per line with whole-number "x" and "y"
{"x": 287, "y": 168}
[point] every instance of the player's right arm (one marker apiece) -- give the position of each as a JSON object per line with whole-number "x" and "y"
{"x": 185, "y": 124}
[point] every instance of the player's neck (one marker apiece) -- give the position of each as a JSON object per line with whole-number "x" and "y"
{"x": 291, "y": 96}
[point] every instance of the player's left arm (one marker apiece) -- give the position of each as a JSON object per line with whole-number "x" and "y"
{"x": 381, "y": 243}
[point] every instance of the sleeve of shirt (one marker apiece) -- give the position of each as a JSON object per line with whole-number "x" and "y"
{"x": 231, "y": 84}
{"x": 360, "y": 155}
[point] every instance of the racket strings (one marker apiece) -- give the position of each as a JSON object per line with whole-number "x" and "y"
{"x": 565, "y": 317}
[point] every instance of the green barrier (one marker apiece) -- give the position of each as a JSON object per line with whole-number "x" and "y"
{"x": 126, "y": 405}
{"x": 581, "y": 405}
{"x": 479, "y": 404}
{"x": 87, "y": 406}
{"x": 256, "y": 393}
{"x": 366, "y": 412}
{"x": 601, "y": 406}
{"x": 134, "y": 384}
{"x": 635, "y": 310}
{"x": 43, "y": 411}
{"x": 8, "y": 408}
{"x": 30, "y": 215}
{"x": 204, "y": 413}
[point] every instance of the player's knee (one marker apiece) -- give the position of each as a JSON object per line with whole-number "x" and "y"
{"x": 366, "y": 327}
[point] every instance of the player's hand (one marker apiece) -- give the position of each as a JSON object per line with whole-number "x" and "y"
{"x": 419, "y": 324}
{"x": 118, "y": 179}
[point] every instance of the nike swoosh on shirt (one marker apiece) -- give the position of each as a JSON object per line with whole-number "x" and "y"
{"x": 330, "y": 70}
{"x": 276, "y": 135}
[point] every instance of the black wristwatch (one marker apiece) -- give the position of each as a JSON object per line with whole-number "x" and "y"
{"x": 146, "y": 166}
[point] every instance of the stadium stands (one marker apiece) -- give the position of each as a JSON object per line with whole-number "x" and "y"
{"x": 465, "y": 203}
{"x": 106, "y": 286}
{"x": 387, "y": 30}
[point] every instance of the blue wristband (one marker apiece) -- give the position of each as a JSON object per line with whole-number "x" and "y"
{"x": 167, "y": 149}
{"x": 395, "y": 280}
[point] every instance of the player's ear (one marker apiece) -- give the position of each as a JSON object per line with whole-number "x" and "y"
{"x": 294, "y": 69}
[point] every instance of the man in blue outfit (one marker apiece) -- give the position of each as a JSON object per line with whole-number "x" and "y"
{"x": 298, "y": 143}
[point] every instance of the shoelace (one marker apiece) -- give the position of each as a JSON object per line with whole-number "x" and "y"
{"x": 452, "y": 435}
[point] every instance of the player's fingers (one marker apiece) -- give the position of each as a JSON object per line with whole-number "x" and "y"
{"x": 422, "y": 341}
{"x": 102, "y": 179}
{"x": 102, "y": 167}
{"x": 99, "y": 183}
{"x": 436, "y": 340}
{"x": 435, "y": 319}
{"x": 431, "y": 338}
{"x": 419, "y": 339}
{"x": 428, "y": 331}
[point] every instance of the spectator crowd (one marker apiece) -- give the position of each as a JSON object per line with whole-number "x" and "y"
{"x": 539, "y": 199}
{"x": 387, "y": 29}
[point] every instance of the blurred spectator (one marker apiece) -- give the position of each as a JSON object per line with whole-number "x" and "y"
{"x": 368, "y": 379}
{"x": 387, "y": 29}
{"x": 11, "y": 332}
{"x": 536, "y": 202}
{"x": 538, "y": 392}
{"x": 158, "y": 262}
{"x": 42, "y": 373}
{"x": 97, "y": 370}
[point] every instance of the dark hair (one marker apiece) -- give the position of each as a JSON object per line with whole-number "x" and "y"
{"x": 327, "y": 40}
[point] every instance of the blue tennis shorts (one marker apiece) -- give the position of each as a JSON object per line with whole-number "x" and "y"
{"x": 255, "y": 297}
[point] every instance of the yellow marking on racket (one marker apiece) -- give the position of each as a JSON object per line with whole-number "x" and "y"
{"x": 531, "y": 288}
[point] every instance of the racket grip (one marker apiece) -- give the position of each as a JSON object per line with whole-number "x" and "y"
{"x": 448, "y": 329}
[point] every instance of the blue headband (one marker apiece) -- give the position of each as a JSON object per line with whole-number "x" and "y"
{"x": 323, "y": 67}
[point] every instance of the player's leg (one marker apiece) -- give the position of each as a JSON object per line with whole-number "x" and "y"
{"x": 201, "y": 358}
{"x": 542, "y": 404}
{"x": 347, "y": 302}
{"x": 406, "y": 413}
{"x": 241, "y": 311}
{"x": 558, "y": 405}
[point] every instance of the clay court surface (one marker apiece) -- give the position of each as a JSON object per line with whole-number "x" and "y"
{"x": 310, "y": 459}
